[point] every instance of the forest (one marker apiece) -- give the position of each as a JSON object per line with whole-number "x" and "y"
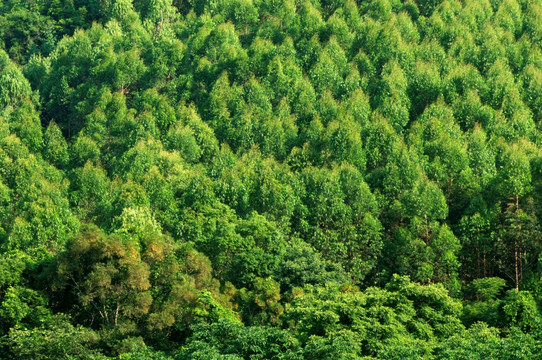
{"x": 270, "y": 179}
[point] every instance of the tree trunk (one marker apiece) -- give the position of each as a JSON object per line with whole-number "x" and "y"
{"x": 516, "y": 265}
{"x": 117, "y": 311}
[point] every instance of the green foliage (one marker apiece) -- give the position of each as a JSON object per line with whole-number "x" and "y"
{"x": 110, "y": 281}
{"x": 481, "y": 341}
{"x": 486, "y": 301}
{"x": 400, "y": 319}
{"x": 135, "y": 275}
{"x": 232, "y": 340}
{"x": 302, "y": 266}
{"x": 521, "y": 311}
{"x": 55, "y": 339}
{"x": 55, "y": 146}
{"x": 231, "y": 179}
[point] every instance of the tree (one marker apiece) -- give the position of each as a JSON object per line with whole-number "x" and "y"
{"x": 481, "y": 341}
{"x": 157, "y": 11}
{"x": 427, "y": 6}
{"x": 133, "y": 276}
{"x": 27, "y": 30}
{"x": 90, "y": 192}
{"x": 533, "y": 90}
{"x": 22, "y": 308}
{"x": 25, "y": 122}
{"x": 516, "y": 243}
{"x": 387, "y": 321}
{"x": 329, "y": 71}
{"x": 515, "y": 179}
{"x": 342, "y": 220}
{"x": 474, "y": 231}
{"x": 106, "y": 276}
{"x": 310, "y": 19}
{"x": 233, "y": 340}
{"x": 261, "y": 305}
{"x": 520, "y": 311}
{"x": 393, "y": 101}
{"x": 424, "y": 86}
{"x": 40, "y": 217}
{"x": 55, "y": 146}
{"x": 14, "y": 88}
{"x": 302, "y": 265}
{"x": 58, "y": 338}
{"x": 486, "y": 301}
{"x": 117, "y": 9}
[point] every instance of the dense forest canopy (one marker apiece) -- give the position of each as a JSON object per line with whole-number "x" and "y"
{"x": 270, "y": 179}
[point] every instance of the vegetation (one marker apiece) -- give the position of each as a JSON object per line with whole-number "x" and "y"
{"x": 270, "y": 179}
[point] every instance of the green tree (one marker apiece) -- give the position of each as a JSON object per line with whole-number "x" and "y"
{"x": 58, "y": 338}
{"x": 55, "y": 146}
{"x": 106, "y": 276}
{"x": 393, "y": 101}
{"x": 342, "y": 222}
